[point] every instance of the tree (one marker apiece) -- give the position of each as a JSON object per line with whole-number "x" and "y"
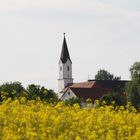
{"x": 15, "y": 90}
{"x": 49, "y": 96}
{"x": 117, "y": 98}
{"x": 105, "y": 75}
{"x": 35, "y": 91}
{"x": 12, "y": 90}
{"x": 133, "y": 87}
{"x": 133, "y": 93}
{"x": 72, "y": 101}
{"x": 135, "y": 71}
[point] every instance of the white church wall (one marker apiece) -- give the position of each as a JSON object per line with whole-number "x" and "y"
{"x": 68, "y": 95}
{"x": 67, "y": 69}
{"x": 60, "y": 67}
{"x": 65, "y": 75}
{"x": 61, "y": 84}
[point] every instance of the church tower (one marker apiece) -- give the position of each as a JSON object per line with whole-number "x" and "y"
{"x": 65, "y": 67}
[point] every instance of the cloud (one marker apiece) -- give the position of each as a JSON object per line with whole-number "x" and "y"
{"x": 68, "y": 6}
{"x": 61, "y": 10}
{"x": 55, "y": 5}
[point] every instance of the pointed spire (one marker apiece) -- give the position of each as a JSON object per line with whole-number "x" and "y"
{"x": 65, "y": 53}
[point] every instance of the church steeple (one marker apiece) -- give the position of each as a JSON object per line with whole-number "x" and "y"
{"x": 65, "y": 53}
{"x": 65, "y": 67}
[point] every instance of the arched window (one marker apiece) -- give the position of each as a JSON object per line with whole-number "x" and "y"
{"x": 68, "y": 68}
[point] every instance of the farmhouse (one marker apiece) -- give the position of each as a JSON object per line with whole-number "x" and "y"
{"x": 93, "y": 89}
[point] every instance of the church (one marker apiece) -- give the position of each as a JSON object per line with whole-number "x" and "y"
{"x": 91, "y": 89}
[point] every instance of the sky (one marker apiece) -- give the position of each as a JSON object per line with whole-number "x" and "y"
{"x": 101, "y": 34}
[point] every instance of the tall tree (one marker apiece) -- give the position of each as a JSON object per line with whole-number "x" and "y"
{"x": 135, "y": 71}
{"x": 105, "y": 75}
{"x": 133, "y": 87}
{"x": 33, "y": 91}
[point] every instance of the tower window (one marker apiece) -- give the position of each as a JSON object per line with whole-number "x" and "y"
{"x": 68, "y": 68}
{"x": 60, "y": 68}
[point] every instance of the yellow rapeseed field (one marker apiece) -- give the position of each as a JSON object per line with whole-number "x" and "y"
{"x": 36, "y": 120}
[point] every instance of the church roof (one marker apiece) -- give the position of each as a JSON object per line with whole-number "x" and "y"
{"x": 95, "y": 89}
{"x": 87, "y": 84}
{"x": 90, "y": 93}
{"x": 65, "y": 53}
{"x": 81, "y": 85}
{"x": 116, "y": 85}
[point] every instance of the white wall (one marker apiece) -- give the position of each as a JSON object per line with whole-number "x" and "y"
{"x": 60, "y": 65}
{"x": 60, "y": 84}
{"x": 68, "y": 95}
{"x": 65, "y": 75}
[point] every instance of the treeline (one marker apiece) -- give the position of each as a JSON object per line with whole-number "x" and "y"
{"x": 131, "y": 91}
{"x": 15, "y": 90}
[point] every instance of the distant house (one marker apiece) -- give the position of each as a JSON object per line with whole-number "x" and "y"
{"x": 93, "y": 89}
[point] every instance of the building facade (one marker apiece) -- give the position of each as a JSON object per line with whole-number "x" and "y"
{"x": 92, "y": 89}
{"x": 65, "y": 67}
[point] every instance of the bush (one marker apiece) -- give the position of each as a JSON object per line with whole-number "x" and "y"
{"x": 72, "y": 101}
{"x": 133, "y": 93}
{"x": 114, "y": 98}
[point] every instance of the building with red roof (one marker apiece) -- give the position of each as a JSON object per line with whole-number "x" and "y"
{"x": 91, "y": 89}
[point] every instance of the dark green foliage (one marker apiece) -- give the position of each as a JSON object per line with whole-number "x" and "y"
{"x": 105, "y": 75}
{"x": 133, "y": 87}
{"x": 72, "y": 101}
{"x": 15, "y": 90}
{"x": 12, "y": 90}
{"x": 51, "y": 96}
{"x": 133, "y": 92}
{"x": 113, "y": 97}
{"x": 34, "y": 91}
{"x": 135, "y": 71}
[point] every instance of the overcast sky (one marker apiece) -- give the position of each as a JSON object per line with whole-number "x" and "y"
{"x": 101, "y": 34}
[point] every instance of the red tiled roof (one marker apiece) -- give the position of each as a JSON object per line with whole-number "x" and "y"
{"x": 92, "y": 93}
{"x": 94, "y": 89}
{"x": 88, "y": 84}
